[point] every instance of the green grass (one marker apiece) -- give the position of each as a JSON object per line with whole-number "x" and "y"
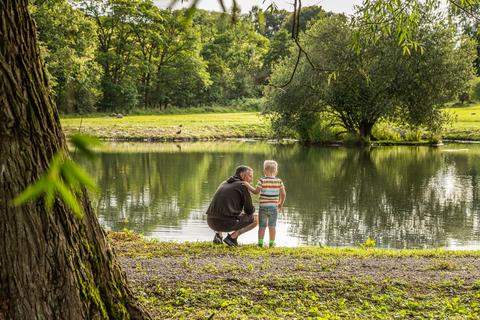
{"x": 135, "y": 246}
{"x": 172, "y": 127}
{"x": 202, "y": 280}
{"x": 467, "y": 126}
{"x": 209, "y": 126}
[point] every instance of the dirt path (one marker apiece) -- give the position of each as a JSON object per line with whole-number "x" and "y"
{"x": 200, "y": 280}
{"x": 416, "y": 271}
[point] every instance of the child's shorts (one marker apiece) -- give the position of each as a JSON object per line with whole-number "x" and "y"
{"x": 267, "y": 214}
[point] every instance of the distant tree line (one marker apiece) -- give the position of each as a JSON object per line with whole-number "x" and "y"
{"x": 115, "y": 55}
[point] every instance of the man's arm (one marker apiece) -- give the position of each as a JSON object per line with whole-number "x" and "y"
{"x": 251, "y": 188}
{"x": 248, "y": 207}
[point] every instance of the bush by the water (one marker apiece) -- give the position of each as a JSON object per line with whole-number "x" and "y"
{"x": 323, "y": 130}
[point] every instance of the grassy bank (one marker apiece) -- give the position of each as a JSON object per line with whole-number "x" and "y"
{"x": 467, "y": 126}
{"x": 206, "y": 281}
{"x": 209, "y": 126}
{"x": 171, "y": 126}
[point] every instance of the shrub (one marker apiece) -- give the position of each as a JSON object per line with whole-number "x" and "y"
{"x": 475, "y": 89}
{"x": 321, "y": 131}
{"x": 353, "y": 139}
{"x": 386, "y": 131}
{"x": 413, "y": 134}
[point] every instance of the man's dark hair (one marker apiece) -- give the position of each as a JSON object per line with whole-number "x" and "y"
{"x": 241, "y": 169}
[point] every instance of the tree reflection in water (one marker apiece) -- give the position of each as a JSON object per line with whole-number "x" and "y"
{"x": 404, "y": 197}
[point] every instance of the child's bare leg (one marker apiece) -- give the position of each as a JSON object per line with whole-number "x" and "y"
{"x": 261, "y": 233}
{"x": 272, "y": 232}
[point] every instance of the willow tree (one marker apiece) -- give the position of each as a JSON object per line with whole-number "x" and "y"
{"x": 380, "y": 81}
{"x": 53, "y": 265}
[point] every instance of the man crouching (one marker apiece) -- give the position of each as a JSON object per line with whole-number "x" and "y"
{"x": 231, "y": 208}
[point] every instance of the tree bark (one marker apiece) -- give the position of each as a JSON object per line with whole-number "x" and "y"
{"x": 365, "y": 129}
{"x": 52, "y": 264}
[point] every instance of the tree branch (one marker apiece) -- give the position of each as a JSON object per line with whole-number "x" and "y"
{"x": 464, "y": 10}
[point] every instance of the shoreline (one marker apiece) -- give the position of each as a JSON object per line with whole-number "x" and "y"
{"x": 148, "y": 139}
{"x": 206, "y": 281}
{"x": 217, "y": 127}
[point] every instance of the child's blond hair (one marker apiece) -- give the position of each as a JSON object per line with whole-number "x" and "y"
{"x": 270, "y": 167}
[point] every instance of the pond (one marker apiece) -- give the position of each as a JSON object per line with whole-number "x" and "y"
{"x": 403, "y": 197}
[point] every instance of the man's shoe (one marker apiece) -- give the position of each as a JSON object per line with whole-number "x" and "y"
{"x": 230, "y": 241}
{"x": 217, "y": 239}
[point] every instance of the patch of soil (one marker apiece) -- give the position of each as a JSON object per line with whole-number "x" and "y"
{"x": 414, "y": 271}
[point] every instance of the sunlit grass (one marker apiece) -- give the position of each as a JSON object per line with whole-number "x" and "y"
{"x": 170, "y": 127}
{"x": 467, "y": 124}
{"x": 135, "y": 246}
{"x": 467, "y": 114}
{"x": 206, "y": 126}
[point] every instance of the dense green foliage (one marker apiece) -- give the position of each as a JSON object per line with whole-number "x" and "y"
{"x": 117, "y": 55}
{"x": 68, "y": 40}
{"x": 374, "y": 80}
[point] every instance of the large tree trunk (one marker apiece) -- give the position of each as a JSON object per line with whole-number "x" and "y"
{"x": 365, "y": 129}
{"x": 52, "y": 265}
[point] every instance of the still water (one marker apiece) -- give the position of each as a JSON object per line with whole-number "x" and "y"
{"x": 403, "y": 197}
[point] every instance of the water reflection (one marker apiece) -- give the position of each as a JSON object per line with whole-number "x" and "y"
{"x": 404, "y": 197}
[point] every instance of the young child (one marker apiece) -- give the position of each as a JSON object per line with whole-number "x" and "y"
{"x": 272, "y": 196}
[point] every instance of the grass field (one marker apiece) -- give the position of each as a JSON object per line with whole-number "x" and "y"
{"x": 200, "y": 280}
{"x": 172, "y": 127}
{"x": 209, "y": 126}
{"x": 467, "y": 126}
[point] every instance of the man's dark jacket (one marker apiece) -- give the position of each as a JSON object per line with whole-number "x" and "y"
{"x": 230, "y": 199}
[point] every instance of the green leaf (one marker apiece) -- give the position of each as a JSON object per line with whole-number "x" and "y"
{"x": 49, "y": 194}
{"x": 84, "y": 144}
{"x": 401, "y": 37}
{"x": 80, "y": 175}
{"x": 55, "y": 165}
{"x": 68, "y": 198}
{"x": 188, "y": 16}
{"x": 332, "y": 75}
{"x": 69, "y": 177}
{"x": 63, "y": 177}
{"x": 31, "y": 192}
{"x": 261, "y": 20}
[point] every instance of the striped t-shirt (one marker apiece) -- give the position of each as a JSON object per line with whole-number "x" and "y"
{"x": 270, "y": 191}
